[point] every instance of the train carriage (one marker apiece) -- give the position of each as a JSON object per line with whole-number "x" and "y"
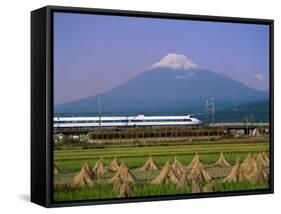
{"x": 139, "y": 120}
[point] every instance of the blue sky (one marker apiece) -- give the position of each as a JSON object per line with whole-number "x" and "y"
{"x": 94, "y": 53}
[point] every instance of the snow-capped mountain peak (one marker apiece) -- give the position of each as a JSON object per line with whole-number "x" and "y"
{"x": 175, "y": 61}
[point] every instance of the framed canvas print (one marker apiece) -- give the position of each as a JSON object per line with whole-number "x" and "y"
{"x": 140, "y": 106}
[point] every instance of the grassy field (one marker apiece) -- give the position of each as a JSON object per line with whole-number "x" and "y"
{"x": 70, "y": 160}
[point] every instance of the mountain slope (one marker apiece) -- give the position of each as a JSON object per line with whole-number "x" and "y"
{"x": 252, "y": 112}
{"x": 174, "y": 82}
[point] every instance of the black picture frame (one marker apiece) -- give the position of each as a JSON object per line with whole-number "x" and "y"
{"x": 42, "y": 103}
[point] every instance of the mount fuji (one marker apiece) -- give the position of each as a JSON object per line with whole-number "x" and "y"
{"x": 175, "y": 83}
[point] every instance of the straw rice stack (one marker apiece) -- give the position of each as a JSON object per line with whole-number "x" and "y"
{"x": 256, "y": 173}
{"x": 247, "y": 164}
{"x": 260, "y": 177}
{"x": 184, "y": 179}
{"x": 236, "y": 174}
{"x": 121, "y": 177}
{"x": 99, "y": 168}
{"x": 149, "y": 165}
{"x": 195, "y": 159}
{"x": 167, "y": 175}
{"x": 265, "y": 158}
{"x": 251, "y": 170}
{"x": 222, "y": 162}
{"x": 178, "y": 167}
{"x": 262, "y": 160}
{"x": 114, "y": 165}
{"x": 198, "y": 173}
{"x": 86, "y": 177}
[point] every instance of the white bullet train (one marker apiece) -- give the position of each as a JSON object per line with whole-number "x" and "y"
{"x": 139, "y": 120}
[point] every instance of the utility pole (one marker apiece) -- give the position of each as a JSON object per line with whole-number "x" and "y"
{"x": 213, "y": 109}
{"x": 99, "y": 110}
{"x": 210, "y": 108}
{"x": 247, "y": 125}
{"x": 206, "y": 113}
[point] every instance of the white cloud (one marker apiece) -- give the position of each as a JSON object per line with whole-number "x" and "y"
{"x": 259, "y": 77}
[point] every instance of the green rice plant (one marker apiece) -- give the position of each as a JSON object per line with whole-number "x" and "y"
{"x": 69, "y": 193}
{"x": 105, "y": 191}
{"x": 70, "y": 161}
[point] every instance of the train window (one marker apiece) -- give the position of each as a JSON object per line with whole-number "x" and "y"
{"x": 137, "y": 120}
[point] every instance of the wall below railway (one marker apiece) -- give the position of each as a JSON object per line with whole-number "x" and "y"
{"x": 158, "y": 133}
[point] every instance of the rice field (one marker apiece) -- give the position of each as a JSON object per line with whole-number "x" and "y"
{"x": 70, "y": 160}
{"x": 68, "y": 193}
